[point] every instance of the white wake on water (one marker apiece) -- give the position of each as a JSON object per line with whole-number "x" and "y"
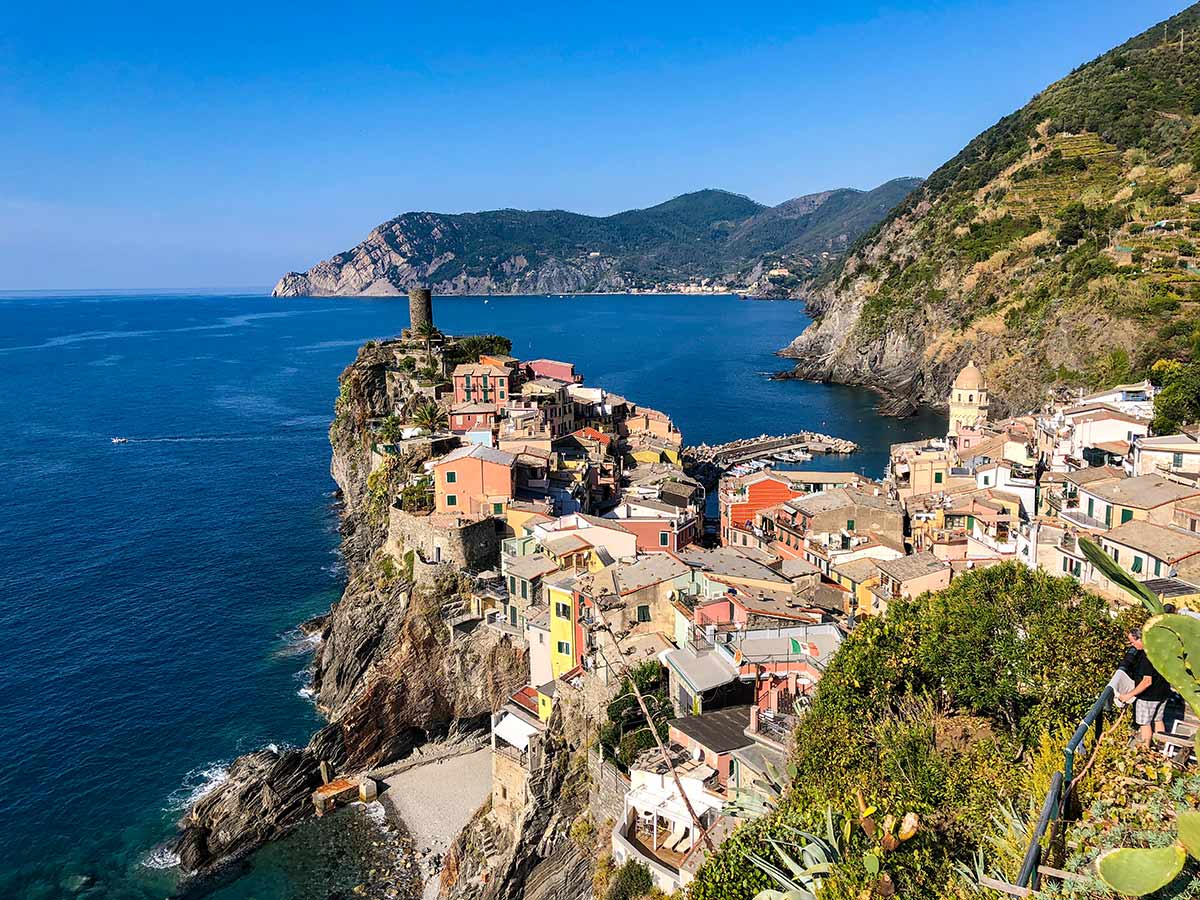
{"x": 196, "y": 784}
{"x": 161, "y": 857}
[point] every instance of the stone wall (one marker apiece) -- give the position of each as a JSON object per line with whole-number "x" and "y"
{"x": 608, "y": 788}
{"x": 509, "y": 780}
{"x": 439, "y": 540}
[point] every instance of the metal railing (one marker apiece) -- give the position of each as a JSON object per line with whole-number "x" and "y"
{"x": 1058, "y": 797}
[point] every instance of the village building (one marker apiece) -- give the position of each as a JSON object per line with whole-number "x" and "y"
{"x": 908, "y": 576}
{"x": 473, "y": 481}
{"x": 477, "y": 383}
{"x": 659, "y": 527}
{"x": 1171, "y": 454}
{"x": 552, "y": 369}
{"x": 1106, "y": 503}
{"x": 1147, "y": 550}
{"x": 968, "y": 400}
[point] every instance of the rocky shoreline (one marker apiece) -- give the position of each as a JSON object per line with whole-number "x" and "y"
{"x": 383, "y": 673}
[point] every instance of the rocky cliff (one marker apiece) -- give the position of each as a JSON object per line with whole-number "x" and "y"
{"x": 384, "y": 673}
{"x": 1057, "y": 248}
{"x": 722, "y": 240}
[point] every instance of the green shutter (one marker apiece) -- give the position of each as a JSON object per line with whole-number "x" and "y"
{"x": 1126, "y": 515}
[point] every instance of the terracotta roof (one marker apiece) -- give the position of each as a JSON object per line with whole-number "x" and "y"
{"x": 594, "y": 435}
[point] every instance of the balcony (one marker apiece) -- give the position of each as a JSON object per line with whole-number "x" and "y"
{"x": 771, "y": 728}
{"x": 1082, "y": 520}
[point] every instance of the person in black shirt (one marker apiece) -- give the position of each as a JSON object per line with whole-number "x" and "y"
{"x": 1150, "y": 690}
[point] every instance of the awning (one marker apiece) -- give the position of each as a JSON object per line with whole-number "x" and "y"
{"x": 515, "y": 731}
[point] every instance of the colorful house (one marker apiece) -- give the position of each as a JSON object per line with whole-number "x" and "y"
{"x": 473, "y": 481}
{"x": 482, "y": 384}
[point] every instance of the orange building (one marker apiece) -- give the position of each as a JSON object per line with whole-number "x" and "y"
{"x": 740, "y": 500}
{"x": 473, "y": 481}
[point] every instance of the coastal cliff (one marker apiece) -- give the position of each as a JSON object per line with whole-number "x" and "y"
{"x": 710, "y": 240}
{"x": 384, "y": 673}
{"x": 1056, "y": 249}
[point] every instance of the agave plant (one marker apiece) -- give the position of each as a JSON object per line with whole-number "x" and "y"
{"x": 763, "y": 796}
{"x": 806, "y": 861}
{"x": 1109, "y": 569}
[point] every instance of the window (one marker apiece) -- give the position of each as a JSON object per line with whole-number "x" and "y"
{"x": 664, "y": 539}
{"x": 1108, "y": 515}
{"x": 485, "y": 382}
{"x": 466, "y": 382}
{"x": 970, "y": 398}
{"x": 1126, "y": 515}
{"x": 562, "y": 610}
{"x": 1066, "y": 565}
{"x": 1091, "y": 508}
{"x": 502, "y": 395}
{"x": 503, "y": 792}
{"x": 1177, "y": 460}
{"x": 564, "y": 647}
{"x": 987, "y": 479}
{"x": 849, "y": 524}
{"x": 512, "y": 585}
{"x": 643, "y": 613}
{"x": 524, "y": 590}
{"x": 937, "y": 477}
{"x": 452, "y": 500}
{"x": 1137, "y": 564}
{"x": 1158, "y": 567}
{"x": 498, "y": 508}
{"x": 1078, "y": 568}
{"x": 451, "y": 478}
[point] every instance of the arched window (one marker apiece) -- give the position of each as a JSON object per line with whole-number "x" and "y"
{"x": 970, "y": 398}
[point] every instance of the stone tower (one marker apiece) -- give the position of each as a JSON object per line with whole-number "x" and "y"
{"x": 420, "y": 308}
{"x": 968, "y": 400}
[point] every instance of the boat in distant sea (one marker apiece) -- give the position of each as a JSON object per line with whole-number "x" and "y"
{"x": 120, "y": 440}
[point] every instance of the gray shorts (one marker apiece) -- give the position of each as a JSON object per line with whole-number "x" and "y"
{"x": 1146, "y": 712}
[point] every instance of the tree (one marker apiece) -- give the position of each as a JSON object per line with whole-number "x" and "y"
{"x": 429, "y": 416}
{"x": 428, "y": 331}
{"x": 1178, "y": 402}
{"x": 391, "y": 429}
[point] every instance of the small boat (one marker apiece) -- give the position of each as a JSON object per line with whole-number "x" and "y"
{"x": 120, "y": 440}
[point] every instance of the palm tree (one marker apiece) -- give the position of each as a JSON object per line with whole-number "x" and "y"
{"x": 428, "y": 331}
{"x": 429, "y": 416}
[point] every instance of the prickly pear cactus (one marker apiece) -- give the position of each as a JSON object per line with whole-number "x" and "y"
{"x": 1135, "y": 872}
{"x": 1172, "y": 643}
{"x": 1188, "y": 824}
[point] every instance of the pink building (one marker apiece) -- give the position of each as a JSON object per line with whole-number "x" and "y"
{"x": 660, "y": 527}
{"x": 552, "y": 368}
{"x": 482, "y": 384}
{"x": 473, "y": 481}
{"x": 472, "y": 417}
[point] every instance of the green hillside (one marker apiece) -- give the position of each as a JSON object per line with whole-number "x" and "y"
{"x": 1058, "y": 247}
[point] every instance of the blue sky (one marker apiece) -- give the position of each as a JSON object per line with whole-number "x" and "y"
{"x": 206, "y": 145}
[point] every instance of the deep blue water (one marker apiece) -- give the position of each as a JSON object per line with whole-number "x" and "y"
{"x": 150, "y": 589}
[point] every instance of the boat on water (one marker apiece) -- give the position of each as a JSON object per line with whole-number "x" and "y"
{"x": 120, "y": 440}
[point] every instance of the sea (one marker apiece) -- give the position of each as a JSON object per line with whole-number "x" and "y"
{"x": 151, "y": 589}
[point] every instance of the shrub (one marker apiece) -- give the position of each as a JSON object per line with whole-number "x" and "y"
{"x": 632, "y": 879}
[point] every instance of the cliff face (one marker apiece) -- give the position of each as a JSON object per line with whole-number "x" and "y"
{"x": 385, "y": 674}
{"x": 725, "y": 238}
{"x": 1057, "y": 248}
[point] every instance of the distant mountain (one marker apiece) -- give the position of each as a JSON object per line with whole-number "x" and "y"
{"x": 711, "y": 239}
{"x": 1058, "y": 248}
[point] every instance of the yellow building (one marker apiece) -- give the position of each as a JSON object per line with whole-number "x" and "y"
{"x": 560, "y": 598}
{"x": 968, "y": 400}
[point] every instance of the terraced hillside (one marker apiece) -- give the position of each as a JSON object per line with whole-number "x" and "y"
{"x": 1058, "y": 248}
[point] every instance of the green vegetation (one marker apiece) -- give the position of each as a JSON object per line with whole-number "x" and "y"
{"x": 429, "y": 416}
{"x": 624, "y": 734}
{"x": 1179, "y": 400}
{"x": 630, "y": 881}
{"x": 953, "y": 705}
{"x": 470, "y": 348}
{"x": 418, "y": 496}
{"x": 1051, "y": 229}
